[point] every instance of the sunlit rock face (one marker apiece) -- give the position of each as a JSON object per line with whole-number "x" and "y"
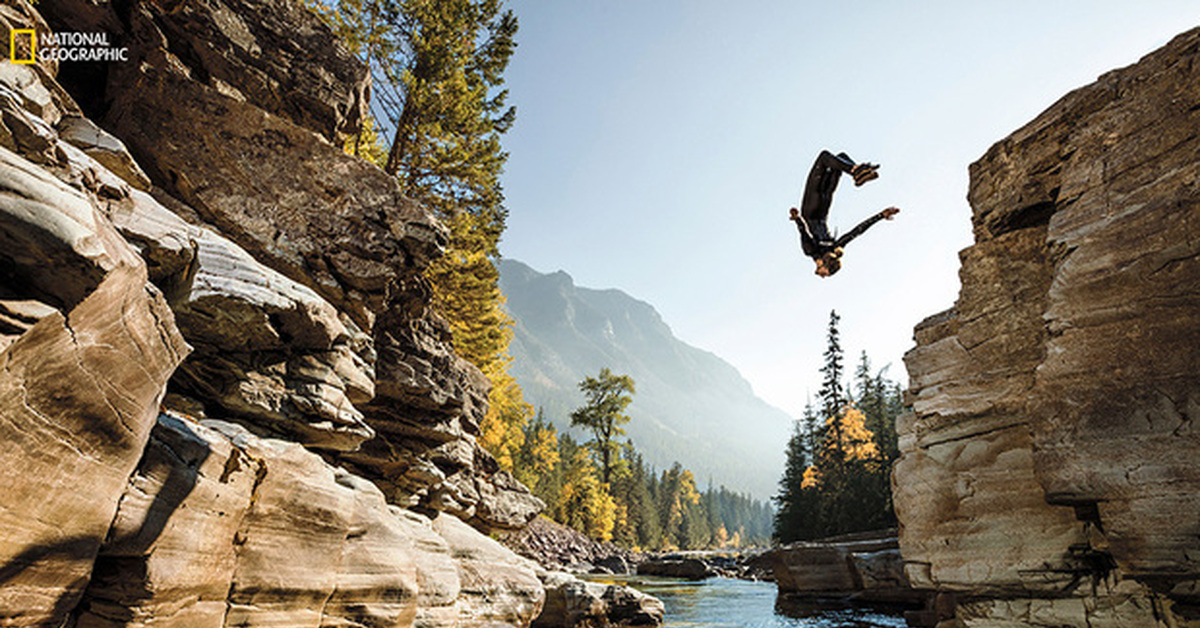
{"x": 1048, "y": 467}
{"x": 296, "y": 270}
{"x": 87, "y": 345}
{"x": 222, "y": 528}
{"x": 221, "y": 385}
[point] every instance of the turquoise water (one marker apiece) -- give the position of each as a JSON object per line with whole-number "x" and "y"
{"x": 729, "y": 603}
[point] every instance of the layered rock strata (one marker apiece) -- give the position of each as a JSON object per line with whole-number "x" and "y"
{"x": 868, "y": 570}
{"x": 223, "y": 528}
{"x": 298, "y": 278}
{"x": 234, "y": 255}
{"x": 1046, "y": 472}
{"x": 560, "y": 548}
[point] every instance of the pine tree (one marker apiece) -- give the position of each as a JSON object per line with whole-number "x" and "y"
{"x": 874, "y": 397}
{"x": 791, "y": 505}
{"x": 827, "y": 453}
{"x": 840, "y": 482}
{"x": 677, "y": 496}
{"x": 604, "y": 413}
{"x": 832, "y": 394}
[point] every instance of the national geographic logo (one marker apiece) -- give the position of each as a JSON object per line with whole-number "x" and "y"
{"x": 26, "y": 47}
{"x": 26, "y": 36}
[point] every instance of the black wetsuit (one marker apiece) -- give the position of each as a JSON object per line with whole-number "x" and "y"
{"x": 815, "y": 239}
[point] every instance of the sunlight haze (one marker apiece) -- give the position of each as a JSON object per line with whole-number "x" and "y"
{"x": 659, "y": 145}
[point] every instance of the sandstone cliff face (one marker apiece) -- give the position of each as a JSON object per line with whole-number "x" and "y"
{"x": 1047, "y": 472}
{"x": 221, "y": 388}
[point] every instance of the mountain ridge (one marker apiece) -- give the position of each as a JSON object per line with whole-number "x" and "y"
{"x": 687, "y": 398}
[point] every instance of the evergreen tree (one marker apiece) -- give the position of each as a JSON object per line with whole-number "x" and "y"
{"x": 874, "y": 397}
{"x": 811, "y": 427}
{"x": 839, "y": 483}
{"x": 827, "y": 452}
{"x": 832, "y": 394}
{"x": 791, "y": 505}
{"x": 604, "y": 413}
{"x": 677, "y": 496}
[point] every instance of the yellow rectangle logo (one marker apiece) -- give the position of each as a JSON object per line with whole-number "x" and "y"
{"x": 12, "y": 41}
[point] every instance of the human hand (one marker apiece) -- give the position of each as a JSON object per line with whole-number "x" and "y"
{"x": 890, "y": 212}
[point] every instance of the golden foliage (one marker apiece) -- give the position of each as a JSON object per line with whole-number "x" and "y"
{"x": 812, "y": 477}
{"x": 586, "y": 504}
{"x": 858, "y": 442}
{"x": 366, "y": 144}
{"x": 846, "y": 432}
{"x": 502, "y": 430}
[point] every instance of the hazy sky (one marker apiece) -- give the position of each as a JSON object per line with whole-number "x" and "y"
{"x": 659, "y": 145}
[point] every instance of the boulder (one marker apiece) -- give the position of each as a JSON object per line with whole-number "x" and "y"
{"x": 220, "y": 527}
{"x": 676, "y": 567}
{"x": 354, "y": 564}
{"x": 572, "y": 603}
{"x": 1050, "y": 430}
{"x": 864, "y": 568}
{"x": 170, "y": 555}
{"x": 497, "y": 586}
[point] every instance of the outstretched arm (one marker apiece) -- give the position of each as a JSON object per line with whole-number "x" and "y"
{"x": 862, "y": 227}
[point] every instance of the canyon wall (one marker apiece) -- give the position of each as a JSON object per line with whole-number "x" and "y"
{"x": 1048, "y": 474}
{"x": 224, "y": 399}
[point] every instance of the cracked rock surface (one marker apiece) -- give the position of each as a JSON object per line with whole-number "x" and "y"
{"x": 1047, "y": 472}
{"x": 221, "y": 384}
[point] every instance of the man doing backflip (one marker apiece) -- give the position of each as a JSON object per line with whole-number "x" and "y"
{"x": 815, "y": 239}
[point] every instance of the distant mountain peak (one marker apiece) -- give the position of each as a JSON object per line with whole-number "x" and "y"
{"x": 691, "y": 406}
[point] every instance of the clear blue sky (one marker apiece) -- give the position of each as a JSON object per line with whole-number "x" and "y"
{"x": 659, "y": 145}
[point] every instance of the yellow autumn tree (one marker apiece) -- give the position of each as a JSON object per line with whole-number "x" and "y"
{"x": 586, "y": 504}
{"x": 679, "y": 495}
{"x": 467, "y": 292}
{"x": 537, "y": 457}
{"x": 847, "y": 439}
{"x": 721, "y": 537}
{"x": 502, "y": 432}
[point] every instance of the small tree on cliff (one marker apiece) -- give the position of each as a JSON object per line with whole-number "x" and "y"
{"x": 604, "y": 413}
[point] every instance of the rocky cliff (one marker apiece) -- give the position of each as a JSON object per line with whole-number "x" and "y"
{"x": 223, "y": 397}
{"x": 1048, "y": 473}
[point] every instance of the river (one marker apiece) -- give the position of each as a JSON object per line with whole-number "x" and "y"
{"x": 729, "y": 603}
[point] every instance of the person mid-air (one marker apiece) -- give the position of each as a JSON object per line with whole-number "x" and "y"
{"x": 815, "y": 239}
